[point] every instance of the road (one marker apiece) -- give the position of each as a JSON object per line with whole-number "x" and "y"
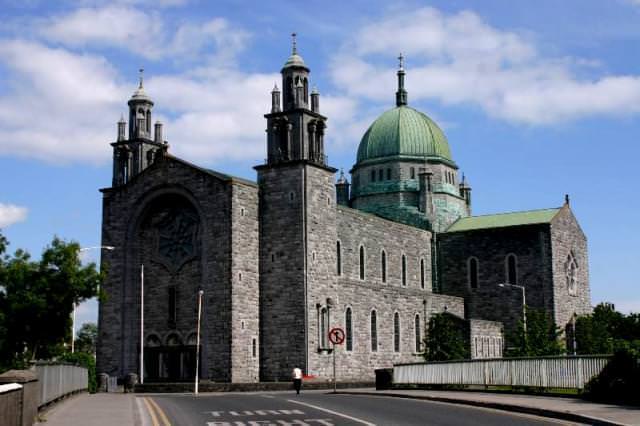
{"x": 314, "y": 408}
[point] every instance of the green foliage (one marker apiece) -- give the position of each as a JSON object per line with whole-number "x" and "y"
{"x": 37, "y": 298}
{"x": 85, "y": 360}
{"x": 542, "y": 337}
{"x": 87, "y": 337}
{"x": 606, "y": 330}
{"x": 619, "y": 381}
{"x": 445, "y": 339}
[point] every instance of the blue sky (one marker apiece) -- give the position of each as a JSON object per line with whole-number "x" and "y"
{"x": 537, "y": 99}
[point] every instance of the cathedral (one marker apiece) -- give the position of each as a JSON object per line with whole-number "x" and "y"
{"x": 282, "y": 260}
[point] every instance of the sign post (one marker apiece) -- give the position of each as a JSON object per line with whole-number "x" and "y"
{"x": 336, "y": 337}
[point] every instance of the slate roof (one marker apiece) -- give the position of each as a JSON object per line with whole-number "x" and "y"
{"x": 503, "y": 220}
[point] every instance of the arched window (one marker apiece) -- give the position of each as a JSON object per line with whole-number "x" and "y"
{"x": 571, "y": 274}
{"x": 512, "y": 269}
{"x": 383, "y": 266}
{"x": 306, "y": 89}
{"x": 338, "y": 258}
{"x": 380, "y": 174}
{"x": 422, "y": 273}
{"x": 349, "y": 330}
{"x": 412, "y": 173}
{"x": 324, "y": 327}
{"x": 388, "y": 174}
{"x": 472, "y": 272}
{"x": 148, "y": 120}
{"x": 373, "y": 175}
{"x": 396, "y": 332}
{"x": 374, "y": 331}
{"x": 418, "y": 333}
{"x": 362, "y": 262}
{"x": 404, "y": 270}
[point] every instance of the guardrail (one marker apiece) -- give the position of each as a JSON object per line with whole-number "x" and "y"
{"x": 545, "y": 372}
{"x": 58, "y": 380}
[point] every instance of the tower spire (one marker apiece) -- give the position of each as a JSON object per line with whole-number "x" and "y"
{"x": 141, "y": 71}
{"x": 294, "y": 47}
{"x": 401, "y": 94}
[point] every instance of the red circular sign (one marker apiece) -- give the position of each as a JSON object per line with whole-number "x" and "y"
{"x": 336, "y": 336}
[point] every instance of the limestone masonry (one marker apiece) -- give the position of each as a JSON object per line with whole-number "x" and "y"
{"x": 283, "y": 260}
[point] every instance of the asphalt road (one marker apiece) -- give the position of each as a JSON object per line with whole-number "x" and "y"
{"x": 320, "y": 408}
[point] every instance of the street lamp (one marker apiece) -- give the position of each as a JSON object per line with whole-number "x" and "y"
{"x": 200, "y": 293}
{"x": 524, "y": 304}
{"x": 73, "y": 317}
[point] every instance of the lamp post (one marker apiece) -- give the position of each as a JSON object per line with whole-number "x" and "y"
{"x": 73, "y": 316}
{"x": 573, "y": 335}
{"x": 142, "y": 323}
{"x": 524, "y": 304}
{"x": 200, "y": 293}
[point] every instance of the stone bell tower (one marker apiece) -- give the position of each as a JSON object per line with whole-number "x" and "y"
{"x": 134, "y": 154}
{"x": 297, "y": 226}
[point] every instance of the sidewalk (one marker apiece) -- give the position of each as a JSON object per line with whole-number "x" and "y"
{"x": 571, "y": 409}
{"x": 98, "y": 409}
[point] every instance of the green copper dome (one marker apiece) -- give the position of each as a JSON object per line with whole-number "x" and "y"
{"x": 403, "y": 132}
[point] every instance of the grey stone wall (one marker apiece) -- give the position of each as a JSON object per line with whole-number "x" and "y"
{"x": 375, "y": 234}
{"x": 566, "y": 237}
{"x": 282, "y": 270}
{"x": 530, "y": 244}
{"x": 130, "y": 214}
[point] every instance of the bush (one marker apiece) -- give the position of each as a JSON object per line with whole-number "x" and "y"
{"x": 86, "y": 360}
{"x": 619, "y": 381}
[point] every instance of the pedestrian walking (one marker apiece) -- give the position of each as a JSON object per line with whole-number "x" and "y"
{"x": 296, "y": 375}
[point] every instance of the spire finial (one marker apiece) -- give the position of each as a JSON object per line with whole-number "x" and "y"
{"x": 141, "y": 71}
{"x": 566, "y": 199}
{"x": 401, "y": 60}
{"x": 401, "y": 94}
{"x": 294, "y": 47}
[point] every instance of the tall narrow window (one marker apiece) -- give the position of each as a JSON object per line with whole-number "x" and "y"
{"x": 412, "y": 173}
{"x": 422, "y": 273}
{"x": 383, "y": 266}
{"x": 571, "y": 274}
{"x": 512, "y": 269}
{"x": 338, "y": 258}
{"x": 373, "y": 175}
{"x": 349, "y": 330}
{"x": 396, "y": 332}
{"x": 172, "y": 305}
{"x": 254, "y": 350}
{"x": 374, "y": 331}
{"x": 472, "y": 266}
{"x": 418, "y": 333}
{"x": 388, "y": 174}
{"x": 380, "y": 174}
{"x": 362, "y": 262}
{"x": 324, "y": 325}
{"x": 404, "y": 270}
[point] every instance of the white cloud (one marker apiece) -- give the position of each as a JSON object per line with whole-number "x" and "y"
{"x": 10, "y": 214}
{"x": 459, "y": 59}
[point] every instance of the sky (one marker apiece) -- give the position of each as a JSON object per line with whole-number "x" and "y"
{"x": 537, "y": 99}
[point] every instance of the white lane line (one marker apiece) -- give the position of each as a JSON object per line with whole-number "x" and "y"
{"x": 335, "y": 413}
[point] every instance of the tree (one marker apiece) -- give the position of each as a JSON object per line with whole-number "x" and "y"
{"x": 37, "y": 298}
{"x": 445, "y": 339}
{"x": 606, "y": 330}
{"x": 542, "y": 337}
{"x": 86, "y": 338}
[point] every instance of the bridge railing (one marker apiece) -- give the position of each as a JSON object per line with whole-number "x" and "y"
{"x": 58, "y": 380}
{"x": 544, "y": 372}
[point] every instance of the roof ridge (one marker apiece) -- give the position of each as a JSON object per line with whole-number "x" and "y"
{"x": 513, "y": 212}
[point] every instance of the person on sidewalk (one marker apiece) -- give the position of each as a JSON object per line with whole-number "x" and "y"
{"x": 297, "y": 379}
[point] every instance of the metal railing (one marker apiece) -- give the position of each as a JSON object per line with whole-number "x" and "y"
{"x": 57, "y": 380}
{"x": 545, "y": 372}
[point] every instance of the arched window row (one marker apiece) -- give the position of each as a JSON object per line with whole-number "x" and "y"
{"x": 362, "y": 265}
{"x": 487, "y": 347}
{"x": 380, "y": 175}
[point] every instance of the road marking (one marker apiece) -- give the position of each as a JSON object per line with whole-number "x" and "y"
{"x": 154, "y": 419}
{"x": 335, "y": 413}
{"x": 163, "y": 416}
{"x": 255, "y": 413}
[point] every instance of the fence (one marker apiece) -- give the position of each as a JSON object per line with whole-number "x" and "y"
{"x": 57, "y": 380}
{"x": 547, "y": 372}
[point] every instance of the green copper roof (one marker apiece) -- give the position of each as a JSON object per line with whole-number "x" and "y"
{"x": 403, "y": 131}
{"x": 503, "y": 220}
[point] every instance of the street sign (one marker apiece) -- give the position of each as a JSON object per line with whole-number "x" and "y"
{"x": 336, "y": 336}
